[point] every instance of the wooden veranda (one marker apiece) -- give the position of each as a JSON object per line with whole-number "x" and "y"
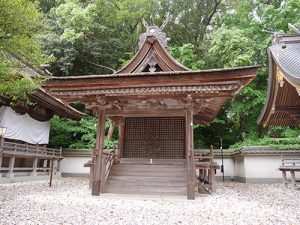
{"x": 155, "y": 100}
{"x": 24, "y": 160}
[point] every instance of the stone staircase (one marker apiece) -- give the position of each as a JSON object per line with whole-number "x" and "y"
{"x": 140, "y": 177}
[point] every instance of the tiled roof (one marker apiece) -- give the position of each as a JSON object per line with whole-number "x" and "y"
{"x": 286, "y": 54}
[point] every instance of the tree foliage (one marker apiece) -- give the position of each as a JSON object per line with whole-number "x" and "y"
{"x": 99, "y": 36}
{"x": 20, "y": 25}
{"x": 204, "y": 35}
{"x": 78, "y": 134}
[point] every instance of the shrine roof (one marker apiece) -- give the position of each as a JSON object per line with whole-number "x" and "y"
{"x": 40, "y": 95}
{"x": 212, "y": 72}
{"x": 153, "y": 82}
{"x": 282, "y": 107}
{"x": 286, "y": 54}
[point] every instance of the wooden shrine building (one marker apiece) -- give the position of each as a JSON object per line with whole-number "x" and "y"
{"x": 282, "y": 107}
{"x": 155, "y": 100}
{"x": 23, "y": 152}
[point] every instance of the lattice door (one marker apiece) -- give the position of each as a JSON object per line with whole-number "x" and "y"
{"x": 154, "y": 137}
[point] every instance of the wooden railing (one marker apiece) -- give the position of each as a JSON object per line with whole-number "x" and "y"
{"x": 31, "y": 150}
{"x": 206, "y": 166}
{"x": 290, "y": 164}
{"x": 108, "y": 159}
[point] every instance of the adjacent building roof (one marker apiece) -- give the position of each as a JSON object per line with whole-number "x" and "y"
{"x": 46, "y": 104}
{"x": 282, "y": 107}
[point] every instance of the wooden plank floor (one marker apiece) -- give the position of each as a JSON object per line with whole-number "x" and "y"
{"x": 139, "y": 177}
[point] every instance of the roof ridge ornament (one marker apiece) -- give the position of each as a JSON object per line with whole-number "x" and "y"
{"x": 294, "y": 28}
{"x": 153, "y": 30}
{"x": 157, "y": 33}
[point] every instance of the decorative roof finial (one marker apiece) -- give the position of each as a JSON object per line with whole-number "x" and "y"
{"x": 294, "y": 28}
{"x": 151, "y": 20}
{"x": 153, "y": 30}
{"x": 166, "y": 21}
{"x": 145, "y": 23}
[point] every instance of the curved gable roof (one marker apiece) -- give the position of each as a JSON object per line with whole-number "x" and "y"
{"x": 152, "y": 53}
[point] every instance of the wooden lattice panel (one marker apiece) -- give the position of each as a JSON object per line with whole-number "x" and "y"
{"x": 154, "y": 137}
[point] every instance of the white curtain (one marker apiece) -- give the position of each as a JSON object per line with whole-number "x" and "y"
{"x": 23, "y": 127}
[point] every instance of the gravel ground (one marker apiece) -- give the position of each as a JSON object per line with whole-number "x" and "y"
{"x": 69, "y": 202}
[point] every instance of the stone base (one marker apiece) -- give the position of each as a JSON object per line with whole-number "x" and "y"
{"x": 250, "y": 180}
{"x": 75, "y": 174}
{"x": 16, "y": 179}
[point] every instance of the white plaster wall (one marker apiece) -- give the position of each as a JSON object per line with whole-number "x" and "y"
{"x": 75, "y": 165}
{"x": 262, "y": 166}
{"x": 239, "y": 166}
{"x": 246, "y": 166}
{"x": 228, "y": 167}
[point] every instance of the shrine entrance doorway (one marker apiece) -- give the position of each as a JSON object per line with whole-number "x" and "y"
{"x": 154, "y": 137}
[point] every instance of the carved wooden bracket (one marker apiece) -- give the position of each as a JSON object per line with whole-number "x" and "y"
{"x": 280, "y": 77}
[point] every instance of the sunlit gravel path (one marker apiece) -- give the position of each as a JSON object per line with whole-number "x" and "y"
{"x": 69, "y": 201}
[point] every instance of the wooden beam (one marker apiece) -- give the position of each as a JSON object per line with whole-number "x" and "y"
{"x": 96, "y": 186}
{"x": 147, "y": 113}
{"x": 189, "y": 146}
{"x": 89, "y": 98}
{"x": 288, "y": 109}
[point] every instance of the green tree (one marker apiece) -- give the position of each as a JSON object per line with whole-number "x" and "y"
{"x": 78, "y": 134}
{"x": 231, "y": 48}
{"x": 90, "y": 37}
{"x": 20, "y": 24}
{"x": 86, "y": 37}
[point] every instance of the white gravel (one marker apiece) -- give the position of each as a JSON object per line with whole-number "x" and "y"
{"x": 70, "y": 202}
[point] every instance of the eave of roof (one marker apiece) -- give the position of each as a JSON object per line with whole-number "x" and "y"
{"x": 154, "y": 75}
{"x": 271, "y": 95}
{"x": 40, "y": 95}
{"x": 284, "y": 55}
{"x": 43, "y": 98}
{"x": 287, "y": 57}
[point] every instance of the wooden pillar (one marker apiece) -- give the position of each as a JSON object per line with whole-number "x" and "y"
{"x": 51, "y": 172}
{"x": 45, "y": 165}
{"x": 293, "y": 179}
{"x": 58, "y": 171}
{"x": 92, "y": 168}
{"x": 103, "y": 170}
{"x": 284, "y": 178}
{"x": 96, "y": 187}
{"x": 121, "y": 138}
{"x": 189, "y": 146}
{"x": 1, "y": 158}
{"x": 34, "y": 166}
{"x": 212, "y": 175}
{"x": 11, "y": 165}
